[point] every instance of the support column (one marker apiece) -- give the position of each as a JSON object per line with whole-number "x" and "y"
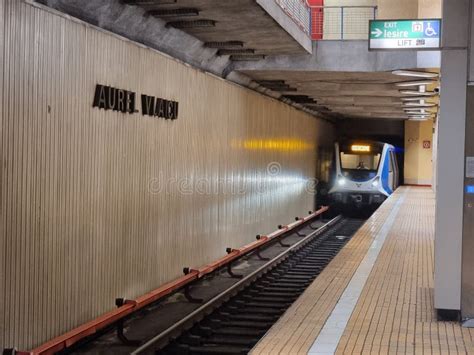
{"x": 450, "y": 158}
{"x": 467, "y": 272}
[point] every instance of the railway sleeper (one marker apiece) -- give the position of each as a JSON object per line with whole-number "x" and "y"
{"x": 247, "y": 324}
{"x": 239, "y": 331}
{"x": 249, "y": 317}
{"x": 190, "y": 350}
{"x": 237, "y": 339}
{"x": 269, "y": 299}
{"x": 262, "y": 310}
{"x": 284, "y": 287}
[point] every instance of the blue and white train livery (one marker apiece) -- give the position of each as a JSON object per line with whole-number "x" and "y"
{"x": 365, "y": 173}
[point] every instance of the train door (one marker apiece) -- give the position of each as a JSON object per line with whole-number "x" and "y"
{"x": 396, "y": 176}
{"x": 392, "y": 171}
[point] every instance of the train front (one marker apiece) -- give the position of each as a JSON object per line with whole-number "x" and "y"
{"x": 359, "y": 169}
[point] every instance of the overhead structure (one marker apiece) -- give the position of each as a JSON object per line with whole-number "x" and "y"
{"x": 242, "y": 29}
{"x": 361, "y": 95}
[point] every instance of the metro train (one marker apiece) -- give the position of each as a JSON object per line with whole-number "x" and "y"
{"x": 365, "y": 174}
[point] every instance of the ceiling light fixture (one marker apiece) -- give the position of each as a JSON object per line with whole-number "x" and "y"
{"x": 416, "y": 83}
{"x": 413, "y": 104}
{"x": 430, "y": 114}
{"x": 418, "y": 93}
{"x": 416, "y": 74}
{"x": 425, "y": 114}
{"x": 419, "y": 115}
{"x": 414, "y": 98}
{"x": 419, "y": 110}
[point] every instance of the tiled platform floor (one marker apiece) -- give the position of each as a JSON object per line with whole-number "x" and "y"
{"x": 394, "y": 313}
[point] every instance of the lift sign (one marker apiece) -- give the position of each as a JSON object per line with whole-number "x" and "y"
{"x": 404, "y": 34}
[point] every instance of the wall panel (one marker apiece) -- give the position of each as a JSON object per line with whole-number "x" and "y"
{"x": 98, "y": 204}
{"x": 418, "y": 159}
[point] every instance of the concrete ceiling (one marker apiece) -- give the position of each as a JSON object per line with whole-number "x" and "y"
{"x": 237, "y": 20}
{"x": 340, "y": 79}
{"x": 361, "y": 95}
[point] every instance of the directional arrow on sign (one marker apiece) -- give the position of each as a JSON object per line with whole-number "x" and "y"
{"x": 377, "y": 32}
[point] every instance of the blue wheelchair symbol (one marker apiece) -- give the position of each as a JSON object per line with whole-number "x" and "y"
{"x": 430, "y": 31}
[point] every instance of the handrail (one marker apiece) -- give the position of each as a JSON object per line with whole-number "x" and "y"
{"x": 341, "y": 22}
{"x": 344, "y": 6}
{"x": 70, "y": 338}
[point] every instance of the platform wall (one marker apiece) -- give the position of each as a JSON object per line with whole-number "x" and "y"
{"x": 99, "y": 204}
{"x": 418, "y": 153}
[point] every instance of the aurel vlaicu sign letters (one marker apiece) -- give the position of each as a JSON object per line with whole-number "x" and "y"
{"x": 110, "y": 98}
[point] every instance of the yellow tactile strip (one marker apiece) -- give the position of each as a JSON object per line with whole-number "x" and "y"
{"x": 296, "y": 331}
{"x": 395, "y": 312}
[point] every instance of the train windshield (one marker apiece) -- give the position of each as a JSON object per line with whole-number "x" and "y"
{"x": 353, "y": 161}
{"x": 360, "y": 162}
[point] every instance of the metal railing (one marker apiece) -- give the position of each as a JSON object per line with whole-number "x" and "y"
{"x": 298, "y": 11}
{"x": 341, "y": 22}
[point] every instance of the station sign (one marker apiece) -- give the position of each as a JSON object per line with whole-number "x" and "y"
{"x": 120, "y": 100}
{"x": 405, "y": 34}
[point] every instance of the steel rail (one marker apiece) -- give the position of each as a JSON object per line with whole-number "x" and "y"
{"x": 187, "y": 322}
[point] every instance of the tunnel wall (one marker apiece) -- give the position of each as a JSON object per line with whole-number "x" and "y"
{"x": 98, "y": 204}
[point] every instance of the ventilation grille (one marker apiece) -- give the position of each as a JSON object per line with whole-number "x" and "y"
{"x": 174, "y": 12}
{"x": 228, "y": 44}
{"x": 300, "y": 99}
{"x": 235, "y": 51}
{"x": 192, "y": 24}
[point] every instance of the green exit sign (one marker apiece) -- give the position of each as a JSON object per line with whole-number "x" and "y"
{"x": 405, "y": 34}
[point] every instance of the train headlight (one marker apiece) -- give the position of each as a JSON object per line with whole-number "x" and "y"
{"x": 341, "y": 181}
{"x": 376, "y": 182}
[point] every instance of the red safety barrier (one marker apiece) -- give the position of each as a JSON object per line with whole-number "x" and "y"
{"x": 70, "y": 338}
{"x": 317, "y": 19}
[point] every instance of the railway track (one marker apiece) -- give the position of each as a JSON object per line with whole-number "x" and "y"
{"x": 235, "y": 320}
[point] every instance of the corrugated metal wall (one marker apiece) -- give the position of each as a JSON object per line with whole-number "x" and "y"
{"x": 98, "y": 204}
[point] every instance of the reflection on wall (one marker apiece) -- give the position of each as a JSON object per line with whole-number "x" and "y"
{"x": 282, "y": 145}
{"x": 102, "y": 204}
